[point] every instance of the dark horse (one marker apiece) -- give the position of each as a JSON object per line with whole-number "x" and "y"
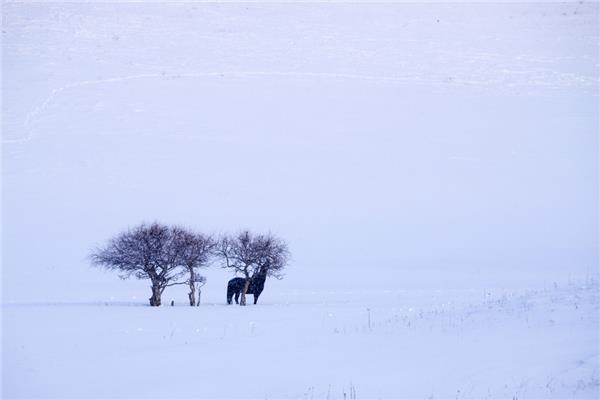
{"x": 236, "y": 287}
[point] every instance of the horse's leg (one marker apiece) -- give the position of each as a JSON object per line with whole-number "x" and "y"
{"x": 237, "y": 296}
{"x": 256, "y": 297}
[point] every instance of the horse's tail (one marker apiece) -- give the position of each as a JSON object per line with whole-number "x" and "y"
{"x": 230, "y": 292}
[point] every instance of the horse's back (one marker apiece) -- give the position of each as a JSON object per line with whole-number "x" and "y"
{"x": 236, "y": 283}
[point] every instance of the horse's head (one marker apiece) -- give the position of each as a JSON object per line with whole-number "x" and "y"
{"x": 260, "y": 275}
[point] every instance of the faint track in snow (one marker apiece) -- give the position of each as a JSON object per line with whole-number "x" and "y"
{"x": 32, "y": 115}
{"x": 408, "y": 79}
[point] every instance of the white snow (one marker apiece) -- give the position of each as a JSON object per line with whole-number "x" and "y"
{"x": 383, "y": 344}
{"x": 433, "y": 167}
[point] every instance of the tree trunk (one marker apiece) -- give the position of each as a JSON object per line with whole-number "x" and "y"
{"x": 192, "y": 283}
{"x": 246, "y": 286}
{"x": 156, "y": 295}
{"x": 192, "y": 294}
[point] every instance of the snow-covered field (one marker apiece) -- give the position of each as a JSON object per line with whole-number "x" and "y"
{"x": 419, "y": 344}
{"x": 433, "y": 168}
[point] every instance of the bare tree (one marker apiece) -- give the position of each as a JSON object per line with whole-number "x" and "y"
{"x": 253, "y": 255}
{"x": 194, "y": 252}
{"x": 156, "y": 252}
